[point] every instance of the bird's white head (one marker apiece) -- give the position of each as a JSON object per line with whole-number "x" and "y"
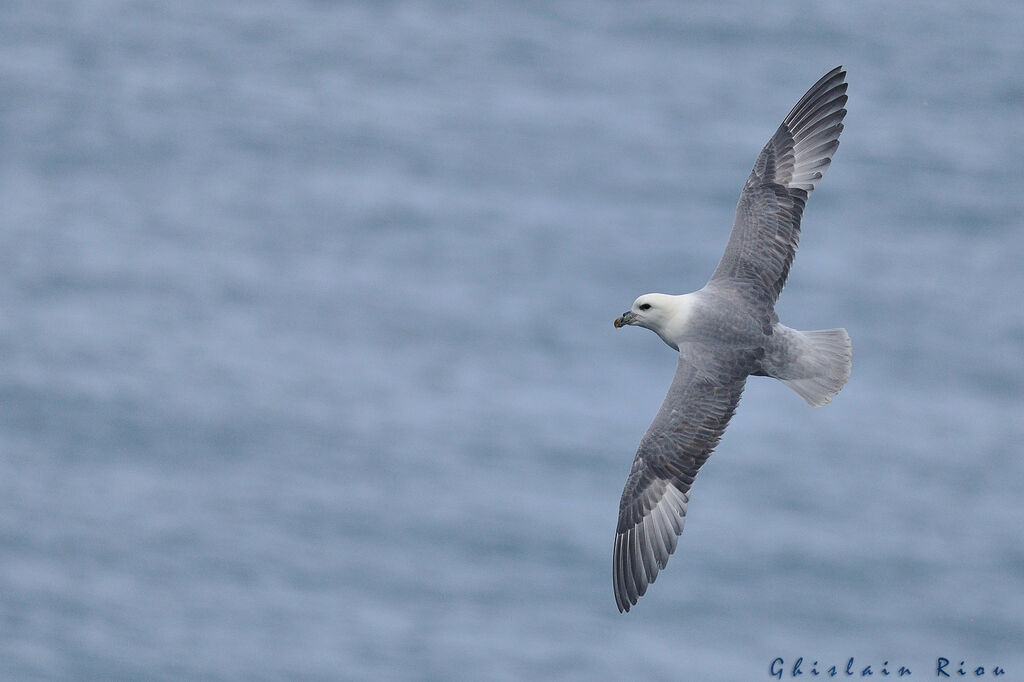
{"x": 650, "y": 310}
{"x": 661, "y": 313}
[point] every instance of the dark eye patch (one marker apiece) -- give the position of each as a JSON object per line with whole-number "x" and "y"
{"x": 645, "y": 306}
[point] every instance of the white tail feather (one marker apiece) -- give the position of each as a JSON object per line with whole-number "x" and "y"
{"x": 823, "y": 366}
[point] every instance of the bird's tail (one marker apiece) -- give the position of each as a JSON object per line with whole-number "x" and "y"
{"x": 820, "y": 366}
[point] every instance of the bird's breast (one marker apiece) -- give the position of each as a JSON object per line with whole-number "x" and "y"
{"x": 681, "y": 324}
{"x": 709, "y": 319}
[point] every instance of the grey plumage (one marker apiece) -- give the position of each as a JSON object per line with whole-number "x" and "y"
{"x": 728, "y": 331}
{"x": 767, "y": 227}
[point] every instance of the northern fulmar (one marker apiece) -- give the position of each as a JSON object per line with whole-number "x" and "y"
{"x": 728, "y": 331}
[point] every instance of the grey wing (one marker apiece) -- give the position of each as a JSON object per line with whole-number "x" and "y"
{"x": 767, "y": 226}
{"x": 699, "y": 404}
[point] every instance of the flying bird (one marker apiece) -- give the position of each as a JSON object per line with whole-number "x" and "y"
{"x": 727, "y": 331}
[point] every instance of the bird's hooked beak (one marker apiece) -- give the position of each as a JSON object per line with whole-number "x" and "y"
{"x": 627, "y": 318}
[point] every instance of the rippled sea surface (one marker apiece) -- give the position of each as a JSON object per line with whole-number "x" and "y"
{"x": 307, "y": 368}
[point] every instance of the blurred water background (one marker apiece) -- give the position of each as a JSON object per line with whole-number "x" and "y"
{"x": 307, "y": 368}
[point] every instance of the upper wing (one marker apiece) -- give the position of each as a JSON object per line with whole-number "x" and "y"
{"x": 767, "y": 226}
{"x": 699, "y": 404}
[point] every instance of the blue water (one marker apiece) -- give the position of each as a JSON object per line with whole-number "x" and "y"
{"x": 307, "y": 368}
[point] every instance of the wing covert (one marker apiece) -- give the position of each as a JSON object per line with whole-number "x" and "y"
{"x": 692, "y": 418}
{"x": 766, "y": 230}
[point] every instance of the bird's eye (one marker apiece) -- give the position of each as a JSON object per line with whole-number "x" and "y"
{"x": 645, "y": 306}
